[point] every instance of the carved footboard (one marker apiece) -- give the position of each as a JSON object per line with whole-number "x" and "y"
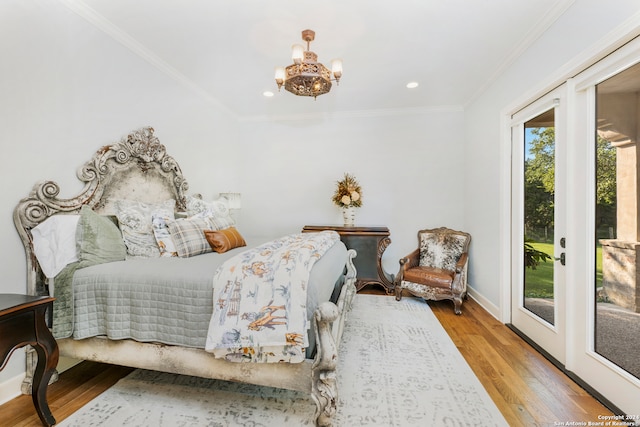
{"x": 330, "y": 320}
{"x": 314, "y": 376}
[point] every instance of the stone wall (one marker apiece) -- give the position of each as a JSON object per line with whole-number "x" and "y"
{"x": 620, "y": 268}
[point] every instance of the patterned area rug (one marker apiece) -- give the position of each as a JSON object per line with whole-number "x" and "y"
{"x": 398, "y": 367}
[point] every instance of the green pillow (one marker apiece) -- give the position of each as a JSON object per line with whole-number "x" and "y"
{"x": 98, "y": 239}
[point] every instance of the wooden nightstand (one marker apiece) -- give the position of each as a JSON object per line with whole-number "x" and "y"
{"x": 370, "y": 243}
{"x": 22, "y": 322}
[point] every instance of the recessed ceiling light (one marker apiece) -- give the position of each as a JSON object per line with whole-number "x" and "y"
{"x": 412, "y": 85}
{"x": 267, "y": 93}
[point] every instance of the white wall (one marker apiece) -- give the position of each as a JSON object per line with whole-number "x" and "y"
{"x": 66, "y": 89}
{"x": 558, "y": 52}
{"x": 410, "y": 168}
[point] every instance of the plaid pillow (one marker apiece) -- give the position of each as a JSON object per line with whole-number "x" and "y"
{"x": 188, "y": 236}
{"x": 221, "y": 222}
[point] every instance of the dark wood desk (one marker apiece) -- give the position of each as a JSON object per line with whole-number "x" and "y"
{"x": 370, "y": 243}
{"x": 22, "y": 322}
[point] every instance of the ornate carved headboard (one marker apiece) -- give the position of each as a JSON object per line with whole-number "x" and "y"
{"x": 136, "y": 168}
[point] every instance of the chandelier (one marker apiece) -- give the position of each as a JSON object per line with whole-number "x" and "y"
{"x": 306, "y": 76}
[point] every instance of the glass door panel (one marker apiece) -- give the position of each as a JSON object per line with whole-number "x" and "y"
{"x": 539, "y": 214}
{"x": 617, "y": 223}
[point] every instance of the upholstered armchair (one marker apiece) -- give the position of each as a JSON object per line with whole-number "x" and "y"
{"x": 437, "y": 270}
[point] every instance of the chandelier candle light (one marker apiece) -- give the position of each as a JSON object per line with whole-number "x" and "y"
{"x": 306, "y": 76}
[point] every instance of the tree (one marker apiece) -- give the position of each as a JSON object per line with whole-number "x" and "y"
{"x": 540, "y": 180}
{"x": 543, "y": 158}
{"x": 606, "y": 185}
{"x": 538, "y": 205}
{"x": 532, "y": 256}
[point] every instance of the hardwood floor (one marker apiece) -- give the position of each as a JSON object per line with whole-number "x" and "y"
{"x": 526, "y": 387}
{"x": 74, "y": 389}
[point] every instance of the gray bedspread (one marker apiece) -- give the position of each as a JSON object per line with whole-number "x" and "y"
{"x": 166, "y": 300}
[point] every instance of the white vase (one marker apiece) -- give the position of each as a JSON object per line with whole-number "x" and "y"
{"x": 349, "y": 216}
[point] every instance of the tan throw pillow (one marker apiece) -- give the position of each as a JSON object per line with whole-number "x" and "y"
{"x": 223, "y": 240}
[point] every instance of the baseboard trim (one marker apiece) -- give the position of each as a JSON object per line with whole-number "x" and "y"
{"x": 11, "y": 388}
{"x": 483, "y": 302}
{"x": 65, "y": 363}
{"x": 575, "y": 378}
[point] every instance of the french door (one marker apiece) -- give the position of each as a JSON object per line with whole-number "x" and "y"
{"x": 575, "y": 227}
{"x": 604, "y": 151}
{"x": 539, "y": 255}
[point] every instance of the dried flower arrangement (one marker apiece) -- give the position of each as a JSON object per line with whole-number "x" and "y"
{"x": 348, "y": 193}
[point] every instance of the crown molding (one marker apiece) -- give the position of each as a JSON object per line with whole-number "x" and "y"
{"x": 609, "y": 43}
{"x": 122, "y": 37}
{"x": 538, "y": 30}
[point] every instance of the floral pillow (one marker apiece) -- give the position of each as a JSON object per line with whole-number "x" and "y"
{"x": 216, "y": 211}
{"x": 160, "y": 224}
{"x": 135, "y": 221}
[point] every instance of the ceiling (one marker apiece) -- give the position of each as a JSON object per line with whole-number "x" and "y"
{"x": 227, "y": 50}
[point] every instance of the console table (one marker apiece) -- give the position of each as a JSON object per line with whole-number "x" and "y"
{"x": 370, "y": 243}
{"x": 22, "y": 322}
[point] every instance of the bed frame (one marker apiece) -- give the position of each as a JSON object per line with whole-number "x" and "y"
{"x": 139, "y": 168}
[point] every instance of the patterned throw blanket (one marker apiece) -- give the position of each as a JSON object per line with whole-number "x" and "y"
{"x": 260, "y": 300}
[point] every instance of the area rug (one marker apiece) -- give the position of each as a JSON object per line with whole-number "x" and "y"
{"x": 398, "y": 367}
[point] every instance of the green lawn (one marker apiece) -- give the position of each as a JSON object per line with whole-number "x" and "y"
{"x": 539, "y": 282}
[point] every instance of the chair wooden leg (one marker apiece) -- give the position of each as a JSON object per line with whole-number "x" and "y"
{"x": 398, "y": 292}
{"x": 457, "y": 305}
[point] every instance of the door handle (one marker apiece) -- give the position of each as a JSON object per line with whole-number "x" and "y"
{"x": 562, "y": 258}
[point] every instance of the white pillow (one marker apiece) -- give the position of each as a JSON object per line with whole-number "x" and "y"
{"x": 54, "y": 243}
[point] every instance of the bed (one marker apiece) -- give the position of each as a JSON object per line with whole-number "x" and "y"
{"x": 87, "y": 318}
